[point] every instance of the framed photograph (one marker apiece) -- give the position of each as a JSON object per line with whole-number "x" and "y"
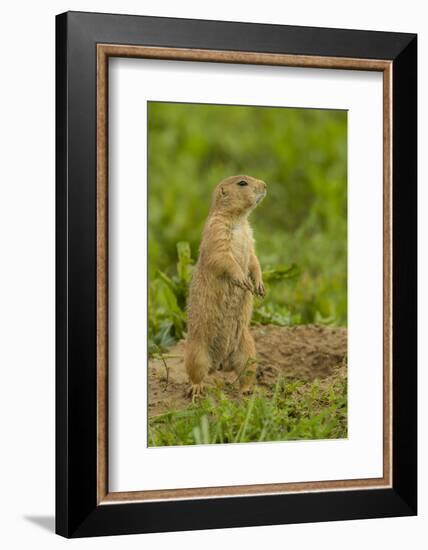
{"x": 236, "y": 274}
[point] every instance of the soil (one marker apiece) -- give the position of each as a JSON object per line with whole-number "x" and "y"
{"x": 294, "y": 353}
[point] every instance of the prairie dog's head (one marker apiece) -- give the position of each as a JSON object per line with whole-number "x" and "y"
{"x": 238, "y": 195}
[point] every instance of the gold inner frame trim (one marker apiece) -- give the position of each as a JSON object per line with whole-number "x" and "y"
{"x": 104, "y": 51}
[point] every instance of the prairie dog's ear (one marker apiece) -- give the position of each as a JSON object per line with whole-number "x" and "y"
{"x": 223, "y": 191}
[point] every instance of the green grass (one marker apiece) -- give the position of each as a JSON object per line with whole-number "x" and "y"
{"x": 287, "y": 411}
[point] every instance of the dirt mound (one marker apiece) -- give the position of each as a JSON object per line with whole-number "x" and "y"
{"x": 300, "y": 352}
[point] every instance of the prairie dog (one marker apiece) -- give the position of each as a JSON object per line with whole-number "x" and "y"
{"x": 225, "y": 277}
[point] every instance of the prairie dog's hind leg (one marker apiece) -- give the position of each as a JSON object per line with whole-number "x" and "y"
{"x": 197, "y": 362}
{"x": 244, "y": 362}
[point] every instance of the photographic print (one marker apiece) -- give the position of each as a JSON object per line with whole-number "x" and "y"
{"x": 235, "y": 246}
{"x": 247, "y": 274}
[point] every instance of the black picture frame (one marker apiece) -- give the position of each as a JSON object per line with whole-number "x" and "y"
{"x": 77, "y": 511}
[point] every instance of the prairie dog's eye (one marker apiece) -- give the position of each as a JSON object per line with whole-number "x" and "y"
{"x": 242, "y": 183}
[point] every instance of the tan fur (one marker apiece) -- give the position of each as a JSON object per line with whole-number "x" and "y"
{"x": 226, "y": 275}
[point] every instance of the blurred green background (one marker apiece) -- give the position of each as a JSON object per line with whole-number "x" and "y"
{"x": 300, "y": 228}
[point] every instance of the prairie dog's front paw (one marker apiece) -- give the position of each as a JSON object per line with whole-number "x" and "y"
{"x": 243, "y": 282}
{"x": 260, "y": 289}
